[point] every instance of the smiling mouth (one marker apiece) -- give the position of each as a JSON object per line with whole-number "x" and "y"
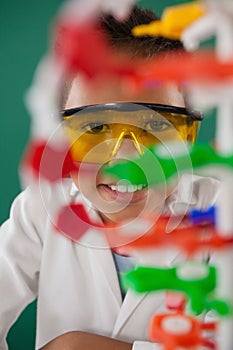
{"x": 126, "y": 188}
{"x": 123, "y": 193}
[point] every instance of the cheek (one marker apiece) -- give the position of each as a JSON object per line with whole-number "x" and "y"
{"x": 86, "y": 179}
{"x": 157, "y": 197}
{"x": 85, "y": 182}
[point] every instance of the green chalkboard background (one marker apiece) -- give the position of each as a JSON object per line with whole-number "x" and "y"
{"x": 24, "y": 28}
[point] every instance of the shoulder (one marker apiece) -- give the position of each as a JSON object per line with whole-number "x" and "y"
{"x": 35, "y": 206}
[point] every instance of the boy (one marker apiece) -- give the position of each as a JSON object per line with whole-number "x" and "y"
{"x": 80, "y": 305}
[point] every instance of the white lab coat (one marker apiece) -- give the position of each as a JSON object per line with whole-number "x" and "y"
{"x": 76, "y": 283}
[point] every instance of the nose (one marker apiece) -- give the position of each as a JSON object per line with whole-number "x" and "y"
{"x": 127, "y": 144}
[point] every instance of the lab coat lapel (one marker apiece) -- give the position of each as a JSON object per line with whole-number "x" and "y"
{"x": 106, "y": 272}
{"x": 109, "y": 280}
{"x": 131, "y": 302}
{"x": 102, "y": 262}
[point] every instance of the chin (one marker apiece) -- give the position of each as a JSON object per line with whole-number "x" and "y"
{"x": 126, "y": 215}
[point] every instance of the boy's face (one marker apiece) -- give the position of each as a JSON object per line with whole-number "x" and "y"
{"x": 116, "y": 202}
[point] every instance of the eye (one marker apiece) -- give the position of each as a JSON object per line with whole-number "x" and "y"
{"x": 157, "y": 126}
{"x": 95, "y": 127}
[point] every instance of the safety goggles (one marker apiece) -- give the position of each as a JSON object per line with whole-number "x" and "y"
{"x": 96, "y": 132}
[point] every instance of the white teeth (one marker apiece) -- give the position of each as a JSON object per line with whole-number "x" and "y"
{"x": 132, "y": 188}
{"x": 126, "y": 188}
{"x": 122, "y": 188}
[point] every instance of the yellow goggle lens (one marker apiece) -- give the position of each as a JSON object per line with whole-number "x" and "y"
{"x": 95, "y": 134}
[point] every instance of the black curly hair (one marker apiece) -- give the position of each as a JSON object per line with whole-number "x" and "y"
{"x": 119, "y": 34}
